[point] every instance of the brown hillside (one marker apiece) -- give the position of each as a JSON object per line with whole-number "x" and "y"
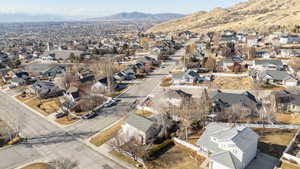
{"x": 252, "y": 14}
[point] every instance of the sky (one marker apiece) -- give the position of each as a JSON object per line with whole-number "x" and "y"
{"x": 108, "y": 7}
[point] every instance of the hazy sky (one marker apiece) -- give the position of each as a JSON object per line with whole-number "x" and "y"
{"x": 107, "y": 7}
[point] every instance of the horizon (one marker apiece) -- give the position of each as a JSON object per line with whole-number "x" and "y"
{"x": 94, "y": 8}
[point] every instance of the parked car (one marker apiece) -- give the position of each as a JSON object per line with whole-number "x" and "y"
{"x": 60, "y": 115}
{"x": 90, "y": 115}
{"x": 112, "y": 103}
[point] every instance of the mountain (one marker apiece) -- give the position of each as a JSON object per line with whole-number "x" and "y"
{"x": 22, "y": 17}
{"x": 251, "y": 14}
{"x": 138, "y": 16}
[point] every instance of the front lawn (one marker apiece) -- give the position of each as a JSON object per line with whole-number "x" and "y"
{"x": 44, "y": 106}
{"x": 36, "y": 166}
{"x": 67, "y": 120}
{"x": 106, "y": 135}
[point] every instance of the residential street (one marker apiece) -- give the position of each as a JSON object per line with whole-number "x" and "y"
{"x": 51, "y": 142}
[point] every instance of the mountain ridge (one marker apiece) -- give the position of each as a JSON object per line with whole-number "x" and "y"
{"x": 138, "y": 16}
{"x": 250, "y": 14}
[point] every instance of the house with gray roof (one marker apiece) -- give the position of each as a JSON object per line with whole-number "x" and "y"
{"x": 141, "y": 128}
{"x": 229, "y": 147}
{"x": 287, "y": 101}
{"x": 262, "y": 65}
{"x": 224, "y": 100}
{"x": 45, "y": 90}
{"x": 277, "y": 77}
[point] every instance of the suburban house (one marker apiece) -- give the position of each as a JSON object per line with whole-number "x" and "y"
{"x": 224, "y": 100}
{"x": 72, "y": 94}
{"x": 277, "y": 77}
{"x": 228, "y": 63}
{"x": 252, "y": 41}
{"x": 262, "y": 65}
{"x": 287, "y": 101}
{"x": 229, "y": 147}
{"x": 228, "y": 39}
{"x": 21, "y": 78}
{"x": 290, "y": 51}
{"x": 289, "y": 39}
{"x": 176, "y": 97}
{"x": 45, "y": 90}
{"x": 142, "y": 129}
{"x": 102, "y": 84}
{"x": 85, "y": 76}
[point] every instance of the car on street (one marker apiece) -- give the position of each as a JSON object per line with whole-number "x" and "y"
{"x": 60, "y": 115}
{"x": 90, "y": 115}
{"x": 112, "y": 103}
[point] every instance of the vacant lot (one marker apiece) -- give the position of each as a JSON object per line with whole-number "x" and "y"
{"x": 44, "y": 106}
{"x": 274, "y": 141}
{"x": 233, "y": 83}
{"x": 106, "y": 135}
{"x": 288, "y": 118}
{"x": 36, "y": 166}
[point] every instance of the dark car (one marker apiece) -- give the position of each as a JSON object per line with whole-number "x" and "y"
{"x": 112, "y": 103}
{"x": 90, "y": 115}
{"x": 60, "y": 115}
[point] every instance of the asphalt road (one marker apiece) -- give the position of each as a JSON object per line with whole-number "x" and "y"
{"x": 47, "y": 141}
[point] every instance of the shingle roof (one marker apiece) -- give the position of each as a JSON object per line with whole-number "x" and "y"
{"x": 267, "y": 62}
{"x": 139, "y": 122}
{"x": 215, "y": 133}
{"x": 276, "y": 75}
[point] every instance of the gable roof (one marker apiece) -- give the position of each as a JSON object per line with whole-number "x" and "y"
{"x": 268, "y": 62}
{"x": 227, "y": 159}
{"x": 276, "y": 75}
{"x": 139, "y": 122}
{"x": 246, "y": 98}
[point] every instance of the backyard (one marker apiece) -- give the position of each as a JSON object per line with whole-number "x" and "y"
{"x": 233, "y": 83}
{"x": 274, "y": 141}
{"x": 288, "y": 118}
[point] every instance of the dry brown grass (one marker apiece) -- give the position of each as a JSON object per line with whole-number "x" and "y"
{"x": 233, "y": 83}
{"x": 106, "y": 135}
{"x": 274, "y": 141}
{"x": 275, "y": 136}
{"x": 67, "y": 120}
{"x": 166, "y": 82}
{"x": 144, "y": 113}
{"x": 36, "y": 166}
{"x": 288, "y": 118}
{"x": 257, "y": 14}
{"x": 126, "y": 159}
{"x": 24, "y": 98}
{"x": 287, "y": 165}
{"x": 44, "y": 106}
{"x": 176, "y": 158}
